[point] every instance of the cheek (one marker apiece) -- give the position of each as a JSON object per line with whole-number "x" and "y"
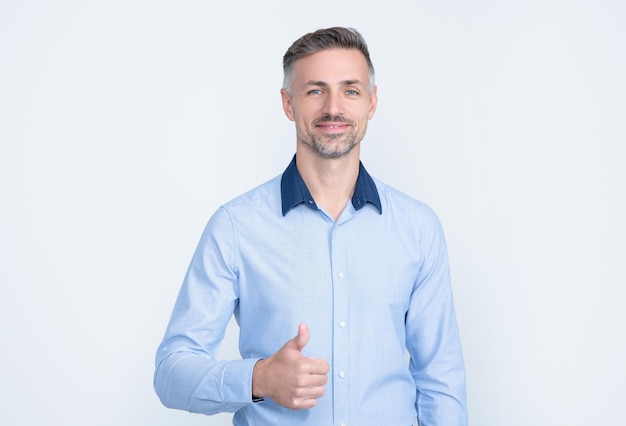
{"x": 304, "y": 118}
{"x": 302, "y": 125}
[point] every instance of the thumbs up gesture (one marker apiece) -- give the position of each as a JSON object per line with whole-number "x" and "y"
{"x": 289, "y": 378}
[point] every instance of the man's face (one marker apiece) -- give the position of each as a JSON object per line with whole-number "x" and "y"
{"x": 330, "y": 101}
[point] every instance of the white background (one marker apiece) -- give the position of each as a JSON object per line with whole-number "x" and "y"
{"x": 125, "y": 124}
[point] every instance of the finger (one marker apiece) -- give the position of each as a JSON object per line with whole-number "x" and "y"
{"x": 311, "y": 392}
{"x": 304, "y": 404}
{"x": 315, "y": 381}
{"x": 301, "y": 340}
{"x": 314, "y": 366}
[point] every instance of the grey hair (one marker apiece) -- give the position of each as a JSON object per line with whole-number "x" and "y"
{"x": 323, "y": 39}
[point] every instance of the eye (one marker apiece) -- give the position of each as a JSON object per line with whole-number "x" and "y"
{"x": 351, "y": 92}
{"x": 315, "y": 92}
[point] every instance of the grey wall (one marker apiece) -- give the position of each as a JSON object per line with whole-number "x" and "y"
{"x": 124, "y": 124}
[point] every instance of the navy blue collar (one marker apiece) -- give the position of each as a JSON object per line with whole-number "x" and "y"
{"x": 294, "y": 190}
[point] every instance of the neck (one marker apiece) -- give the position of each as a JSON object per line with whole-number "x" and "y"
{"x": 330, "y": 181}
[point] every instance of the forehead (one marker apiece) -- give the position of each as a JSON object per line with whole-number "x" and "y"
{"x": 330, "y": 66}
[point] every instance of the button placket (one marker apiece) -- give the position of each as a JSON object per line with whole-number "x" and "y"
{"x": 341, "y": 303}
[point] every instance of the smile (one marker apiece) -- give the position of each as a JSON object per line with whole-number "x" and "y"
{"x": 332, "y": 127}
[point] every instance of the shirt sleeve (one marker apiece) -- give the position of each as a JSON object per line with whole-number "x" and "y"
{"x": 188, "y": 375}
{"x": 433, "y": 342}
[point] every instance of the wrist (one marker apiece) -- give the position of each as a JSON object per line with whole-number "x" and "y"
{"x": 258, "y": 392}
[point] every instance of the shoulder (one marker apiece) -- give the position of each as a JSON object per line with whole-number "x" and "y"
{"x": 253, "y": 207}
{"x": 413, "y": 221}
{"x": 266, "y": 195}
{"x": 397, "y": 202}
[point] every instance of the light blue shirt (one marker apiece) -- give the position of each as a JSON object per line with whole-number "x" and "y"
{"x": 371, "y": 286}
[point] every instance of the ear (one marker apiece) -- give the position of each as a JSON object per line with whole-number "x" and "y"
{"x": 373, "y": 102}
{"x": 287, "y": 106}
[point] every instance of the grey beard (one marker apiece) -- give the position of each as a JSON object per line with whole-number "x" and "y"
{"x": 317, "y": 144}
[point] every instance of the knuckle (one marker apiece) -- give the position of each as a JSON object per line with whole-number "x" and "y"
{"x": 300, "y": 381}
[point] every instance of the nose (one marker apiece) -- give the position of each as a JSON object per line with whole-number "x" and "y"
{"x": 332, "y": 104}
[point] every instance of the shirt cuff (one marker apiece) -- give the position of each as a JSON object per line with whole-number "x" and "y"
{"x": 237, "y": 381}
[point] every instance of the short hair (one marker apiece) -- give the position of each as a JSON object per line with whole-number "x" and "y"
{"x": 324, "y": 39}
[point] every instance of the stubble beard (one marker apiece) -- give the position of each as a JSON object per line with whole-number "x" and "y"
{"x": 327, "y": 146}
{"x": 334, "y": 145}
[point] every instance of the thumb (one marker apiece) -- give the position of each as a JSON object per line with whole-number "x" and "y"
{"x": 301, "y": 340}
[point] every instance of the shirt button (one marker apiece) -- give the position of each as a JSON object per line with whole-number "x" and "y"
{"x": 343, "y": 424}
{"x": 342, "y": 374}
{"x": 342, "y": 324}
{"x": 340, "y": 274}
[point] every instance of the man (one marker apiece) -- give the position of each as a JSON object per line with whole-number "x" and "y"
{"x": 331, "y": 275}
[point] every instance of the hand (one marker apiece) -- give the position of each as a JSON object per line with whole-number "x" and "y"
{"x": 289, "y": 378}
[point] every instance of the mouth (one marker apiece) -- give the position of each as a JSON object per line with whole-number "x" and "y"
{"x": 332, "y": 127}
{"x": 332, "y": 124}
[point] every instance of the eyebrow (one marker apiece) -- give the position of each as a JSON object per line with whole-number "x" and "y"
{"x": 342, "y": 83}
